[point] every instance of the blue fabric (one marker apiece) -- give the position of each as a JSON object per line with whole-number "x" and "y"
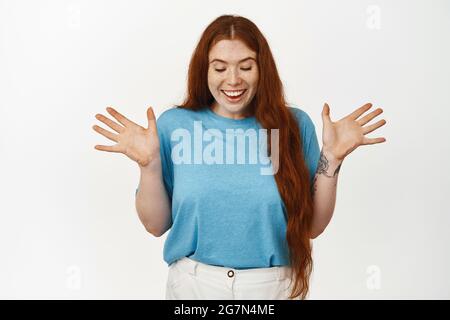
{"x": 226, "y": 214}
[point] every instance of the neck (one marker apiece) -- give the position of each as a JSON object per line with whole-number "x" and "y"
{"x": 215, "y": 107}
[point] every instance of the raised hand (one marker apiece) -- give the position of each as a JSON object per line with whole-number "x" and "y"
{"x": 138, "y": 143}
{"x": 340, "y": 138}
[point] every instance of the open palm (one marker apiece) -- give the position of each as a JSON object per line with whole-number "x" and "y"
{"x": 138, "y": 143}
{"x": 340, "y": 138}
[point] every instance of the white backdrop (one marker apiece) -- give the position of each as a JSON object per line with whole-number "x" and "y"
{"x": 69, "y": 229}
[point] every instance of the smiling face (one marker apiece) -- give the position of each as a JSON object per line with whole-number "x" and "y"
{"x": 232, "y": 71}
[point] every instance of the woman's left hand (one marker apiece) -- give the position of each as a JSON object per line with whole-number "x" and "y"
{"x": 342, "y": 137}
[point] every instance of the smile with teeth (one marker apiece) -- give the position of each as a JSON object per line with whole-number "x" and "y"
{"x": 234, "y": 93}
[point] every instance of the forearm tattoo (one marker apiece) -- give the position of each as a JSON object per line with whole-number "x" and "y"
{"x": 322, "y": 168}
{"x": 314, "y": 186}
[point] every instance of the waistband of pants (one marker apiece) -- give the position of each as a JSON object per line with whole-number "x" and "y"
{"x": 255, "y": 274}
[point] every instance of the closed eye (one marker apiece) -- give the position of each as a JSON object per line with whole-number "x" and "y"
{"x": 243, "y": 69}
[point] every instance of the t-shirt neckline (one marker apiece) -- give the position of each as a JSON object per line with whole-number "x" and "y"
{"x": 243, "y": 121}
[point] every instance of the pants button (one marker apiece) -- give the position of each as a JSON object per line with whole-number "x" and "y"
{"x": 230, "y": 273}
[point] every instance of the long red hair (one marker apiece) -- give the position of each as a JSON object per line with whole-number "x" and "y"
{"x": 270, "y": 109}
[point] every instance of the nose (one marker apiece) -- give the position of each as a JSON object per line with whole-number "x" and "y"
{"x": 233, "y": 78}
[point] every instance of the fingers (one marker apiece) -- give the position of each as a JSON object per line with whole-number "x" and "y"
{"x": 326, "y": 113}
{"x": 370, "y": 116}
{"x": 373, "y": 140}
{"x": 119, "y": 117}
{"x": 106, "y": 133}
{"x": 151, "y": 119}
{"x": 113, "y": 125}
{"x": 374, "y": 126}
{"x": 358, "y": 112}
{"x": 107, "y": 148}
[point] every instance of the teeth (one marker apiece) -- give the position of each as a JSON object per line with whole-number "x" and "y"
{"x": 233, "y": 93}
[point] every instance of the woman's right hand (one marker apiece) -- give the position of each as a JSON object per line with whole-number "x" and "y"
{"x": 137, "y": 143}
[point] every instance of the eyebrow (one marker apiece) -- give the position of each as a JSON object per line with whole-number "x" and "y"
{"x": 245, "y": 59}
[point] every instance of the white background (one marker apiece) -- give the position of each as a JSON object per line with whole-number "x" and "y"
{"x": 69, "y": 228}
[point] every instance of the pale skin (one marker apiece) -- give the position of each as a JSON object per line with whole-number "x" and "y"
{"x": 339, "y": 139}
{"x": 234, "y": 72}
{"x": 142, "y": 146}
{"x": 232, "y": 66}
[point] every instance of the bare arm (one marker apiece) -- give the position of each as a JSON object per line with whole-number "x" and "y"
{"x": 340, "y": 138}
{"x": 142, "y": 146}
{"x": 324, "y": 192}
{"x": 152, "y": 202}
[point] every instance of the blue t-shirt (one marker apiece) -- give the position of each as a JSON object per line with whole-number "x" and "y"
{"x": 225, "y": 211}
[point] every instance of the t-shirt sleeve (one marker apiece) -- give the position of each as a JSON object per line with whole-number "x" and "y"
{"x": 311, "y": 149}
{"x": 162, "y": 125}
{"x": 166, "y": 151}
{"x": 312, "y": 152}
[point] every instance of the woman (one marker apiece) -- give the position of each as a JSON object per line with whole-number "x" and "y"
{"x": 236, "y": 231}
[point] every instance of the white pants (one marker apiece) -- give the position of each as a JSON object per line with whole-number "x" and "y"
{"x": 193, "y": 280}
